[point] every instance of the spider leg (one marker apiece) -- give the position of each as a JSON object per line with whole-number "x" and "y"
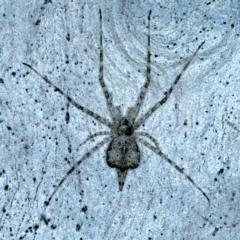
{"x": 232, "y": 125}
{"x": 161, "y": 102}
{"x": 144, "y": 134}
{"x": 100, "y": 77}
{"x": 159, "y": 152}
{"x": 93, "y": 136}
{"x": 144, "y": 88}
{"x": 85, "y": 156}
{"x": 75, "y": 104}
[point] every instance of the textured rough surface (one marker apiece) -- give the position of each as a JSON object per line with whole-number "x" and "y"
{"x": 198, "y": 127}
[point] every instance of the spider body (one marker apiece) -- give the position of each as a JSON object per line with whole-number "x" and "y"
{"x": 122, "y": 154}
{"x": 123, "y": 151}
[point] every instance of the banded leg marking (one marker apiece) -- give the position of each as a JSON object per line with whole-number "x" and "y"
{"x": 75, "y": 104}
{"x": 159, "y": 152}
{"x": 158, "y": 104}
{"x": 85, "y": 156}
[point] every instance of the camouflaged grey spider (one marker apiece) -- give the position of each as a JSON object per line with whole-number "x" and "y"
{"x": 123, "y": 151}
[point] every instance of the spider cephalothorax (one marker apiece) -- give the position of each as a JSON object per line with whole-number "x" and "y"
{"x": 125, "y": 128}
{"x": 123, "y": 151}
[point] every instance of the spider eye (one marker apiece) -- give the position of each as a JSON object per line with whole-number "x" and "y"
{"x": 125, "y": 127}
{"x": 129, "y": 130}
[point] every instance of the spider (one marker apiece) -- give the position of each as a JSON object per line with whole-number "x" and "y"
{"x": 123, "y": 150}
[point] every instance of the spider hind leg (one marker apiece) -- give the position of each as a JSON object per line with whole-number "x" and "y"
{"x": 159, "y": 153}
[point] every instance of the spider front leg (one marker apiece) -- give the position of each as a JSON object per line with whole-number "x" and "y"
{"x": 111, "y": 108}
{"x": 74, "y": 103}
{"x": 133, "y": 112}
{"x": 159, "y": 152}
{"x": 161, "y": 102}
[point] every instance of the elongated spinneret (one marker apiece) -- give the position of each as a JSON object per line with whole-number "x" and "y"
{"x": 125, "y": 128}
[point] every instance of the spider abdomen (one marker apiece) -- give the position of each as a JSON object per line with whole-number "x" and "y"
{"x": 123, "y": 153}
